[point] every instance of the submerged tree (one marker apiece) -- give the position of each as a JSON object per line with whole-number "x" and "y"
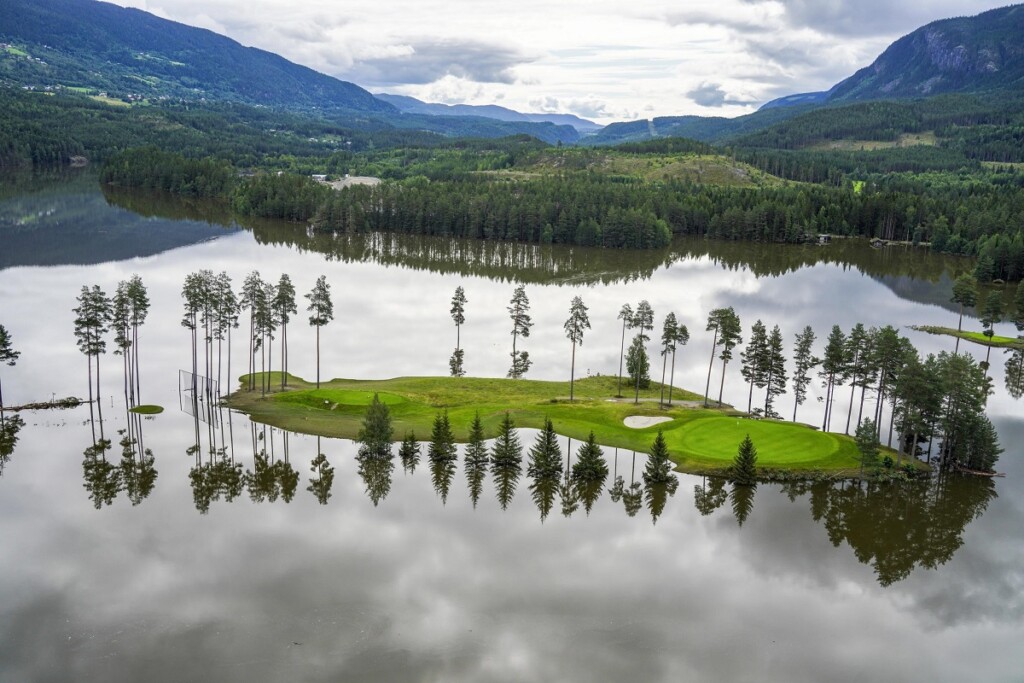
{"x": 321, "y": 312}
{"x": 8, "y": 356}
{"x": 965, "y": 293}
{"x": 92, "y": 320}
{"x": 990, "y": 317}
{"x": 458, "y": 312}
{"x": 574, "y": 327}
{"x": 518, "y": 310}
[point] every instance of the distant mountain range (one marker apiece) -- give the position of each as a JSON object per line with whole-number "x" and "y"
{"x": 122, "y": 54}
{"x": 964, "y": 54}
{"x": 118, "y": 54}
{"x": 491, "y": 111}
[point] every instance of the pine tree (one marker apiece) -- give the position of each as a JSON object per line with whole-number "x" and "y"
{"x": 644, "y": 320}
{"x": 965, "y": 293}
{"x": 590, "y": 466}
{"x": 866, "y": 437}
{"x": 375, "y": 435}
{"x": 92, "y": 321}
{"x": 284, "y": 308}
{"x": 833, "y": 365}
{"x": 658, "y": 469}
{"x": 637, "y": 365}
{"x": 458, "y": 313}
{"x": 669, "y": 338}
{"x": 804, "y": 362}
{"x": 442, "y": 441}
{"x": 991, "y": 315}
{"x": 545, "y": 455}
{"x": 477, "y": 459}
{"x": 728, "y": 338}
{"x": 506, "y": 461}
{"x": 518, "y": 310}
{"x": 775, "y": 371}
{"x": 574, "y": 327}
{"x": 744, "y": 465}
{"x": 321, "y": 312}
{"x": 682, "y": 339}
{"x": 626, "y": 316}
{"x": 755, "y": 360}
{"x": 8, "y": 356}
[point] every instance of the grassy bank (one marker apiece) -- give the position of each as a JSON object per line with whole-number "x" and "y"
{"x": 977, "y": 337}
{"x": 700, "y": 440}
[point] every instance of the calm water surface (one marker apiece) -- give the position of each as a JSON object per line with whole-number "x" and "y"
{"x": 110, "y": 579}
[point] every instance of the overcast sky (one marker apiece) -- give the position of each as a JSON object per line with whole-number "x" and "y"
{"x": 606, "y": 60}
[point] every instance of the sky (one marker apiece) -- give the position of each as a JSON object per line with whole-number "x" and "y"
{"x": 605, "y": 60}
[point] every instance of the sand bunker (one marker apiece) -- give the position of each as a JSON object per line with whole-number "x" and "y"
{"x": 641, "y": 421}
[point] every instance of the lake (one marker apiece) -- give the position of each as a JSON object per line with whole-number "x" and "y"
{"x": 240, "y": 564}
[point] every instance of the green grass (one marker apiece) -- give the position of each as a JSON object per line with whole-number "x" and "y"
{"x": 700, "y": 440}
{"x": 977, "y": 337}
{"x": 147, "y": 410}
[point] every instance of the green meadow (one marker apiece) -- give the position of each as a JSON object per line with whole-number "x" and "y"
{"x": 700, "y": 440}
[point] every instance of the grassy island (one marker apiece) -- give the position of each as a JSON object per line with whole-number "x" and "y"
{"x": 699, "y": 440}
{"x": 994, "y": 341}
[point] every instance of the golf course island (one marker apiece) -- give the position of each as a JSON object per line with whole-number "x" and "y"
{"x": 700, "y": 440}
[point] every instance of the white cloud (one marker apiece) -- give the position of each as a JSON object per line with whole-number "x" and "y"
{"x": 607, "y": 61}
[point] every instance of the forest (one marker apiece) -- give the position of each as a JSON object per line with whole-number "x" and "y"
{"x": 960, "y": 193}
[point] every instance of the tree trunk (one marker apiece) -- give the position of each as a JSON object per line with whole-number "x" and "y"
{"x": 750, "y": 397}
{"x": 622, "y": 355}
{"x": 849, "y": 412}
{"x": 721, "y": 386}
{"x": 572, "y": 372}
{"x": 672, "y": 377}
{"x": 664, "y": 363}
{"x": 317, "y": 356}
{"x": 711, "y": 363}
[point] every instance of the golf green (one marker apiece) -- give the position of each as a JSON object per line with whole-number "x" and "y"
{"x": 782, "y": 444}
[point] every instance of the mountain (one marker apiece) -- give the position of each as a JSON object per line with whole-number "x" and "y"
{"x": 120, "y": 55}
{"x": 793, "y": 100}
{"x": 105, "y": 48}
{"x": 414, "y": 106}
{"x": 965, "y": 54}
{"x": 703, "y": 128}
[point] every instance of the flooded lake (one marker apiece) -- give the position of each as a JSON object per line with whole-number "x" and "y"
{"x": 225, "y": 555}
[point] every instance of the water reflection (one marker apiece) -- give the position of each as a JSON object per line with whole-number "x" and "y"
{"x": 1014, "y": 373}
{"x": 912, "y": 274}
{"x": 375, "y": 471}
{"x": 320, "y": 486}
{"x": 9, "y": 429}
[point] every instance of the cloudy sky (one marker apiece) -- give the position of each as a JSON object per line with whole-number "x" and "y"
{"x": 606, "y": 60}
